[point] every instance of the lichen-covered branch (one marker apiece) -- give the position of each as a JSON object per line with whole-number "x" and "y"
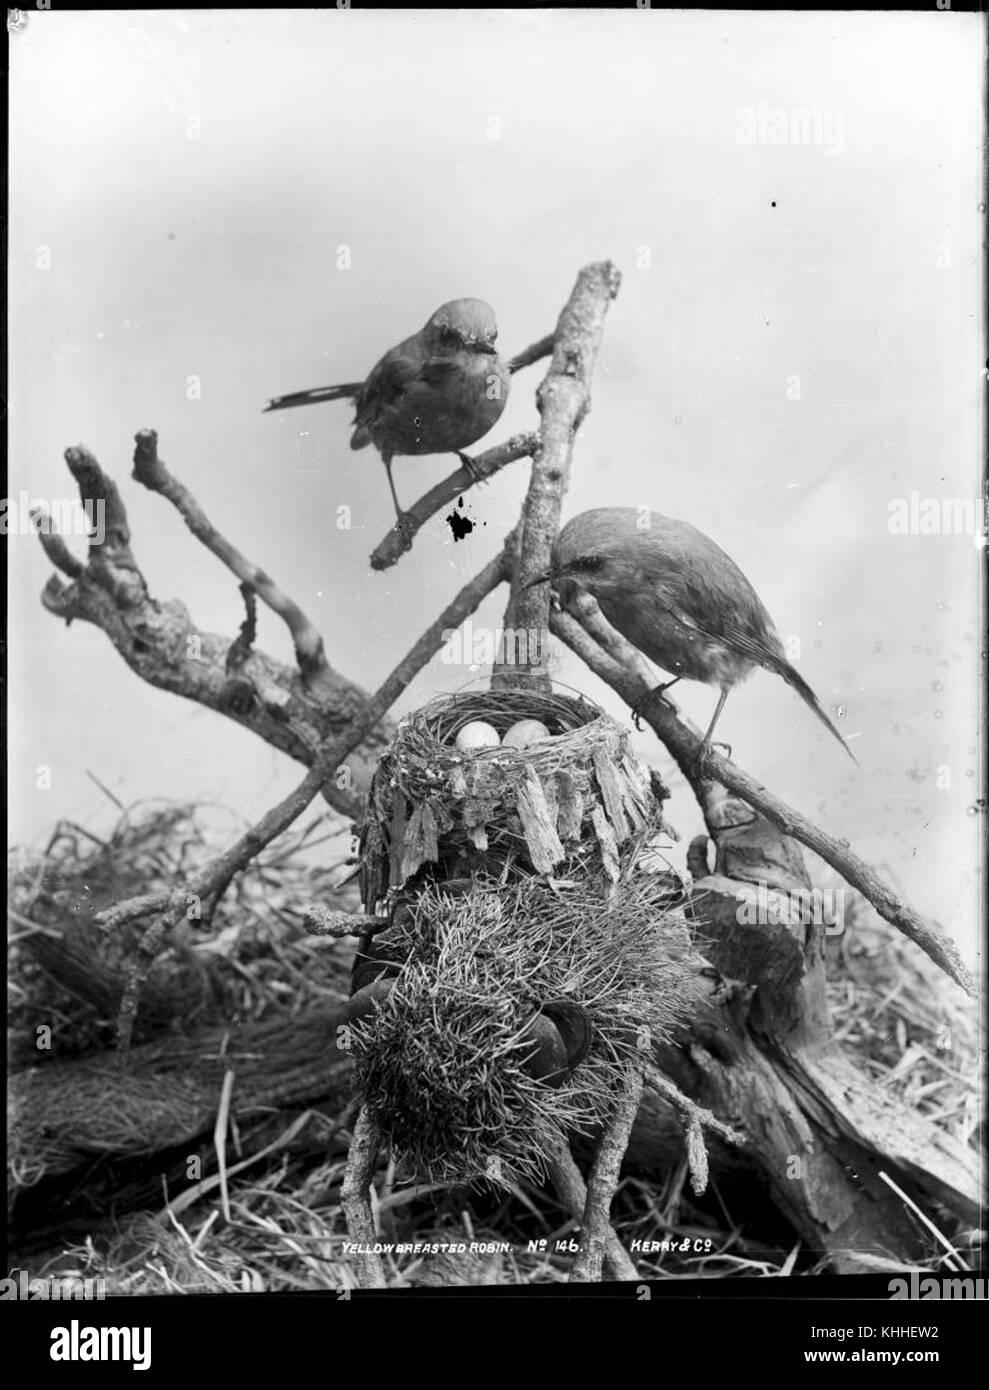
{"x": 563, "y": 400}
{"x": 356, "y": 1202}
{"x": 162, "y": 645}
{"x": 696, "y": 1118}
{"x": 572, "y": 1192}
{"x": 602, "y": 1181}
{"x": 54, "y": 546}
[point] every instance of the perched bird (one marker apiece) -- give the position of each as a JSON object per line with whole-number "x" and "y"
{"x": 434, "y": 393}
{"x": 677, "y": 597}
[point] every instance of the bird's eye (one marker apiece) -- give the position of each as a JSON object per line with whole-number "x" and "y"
{"x": 589, "y": 563}
{"x": 447, "y": 334}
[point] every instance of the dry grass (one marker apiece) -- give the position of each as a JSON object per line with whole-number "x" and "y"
{"x": 254, "y": 958}
{"x": 908, "y": 1027}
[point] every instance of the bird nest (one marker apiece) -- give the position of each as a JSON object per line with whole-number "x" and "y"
{"x": 531, "y": 808}
{"x": 516, "y": 962}
{"x": 444, "y": 1058}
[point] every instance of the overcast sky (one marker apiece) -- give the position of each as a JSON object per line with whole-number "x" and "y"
{"x": 796, "y": 345}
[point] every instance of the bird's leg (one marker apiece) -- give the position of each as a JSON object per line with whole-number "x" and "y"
{"x": 705, "y": 747}
{"x": 470, "y": 466}
{"x": 402, "y": 525}
{"x": 656, "y": 693}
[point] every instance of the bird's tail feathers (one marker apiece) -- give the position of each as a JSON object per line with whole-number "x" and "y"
{"x": 795, "y": 679}
{"x": 344, "y": 392}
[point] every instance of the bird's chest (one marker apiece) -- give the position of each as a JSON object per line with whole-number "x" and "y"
{"x": 450, "y": 406}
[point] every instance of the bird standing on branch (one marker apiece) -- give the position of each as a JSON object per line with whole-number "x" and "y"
{"x": 436, "y": 392}
{"x": 679, "y": 598}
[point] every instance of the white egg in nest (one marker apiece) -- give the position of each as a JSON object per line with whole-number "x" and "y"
{"x": 525, "y": 732}
{"x": 477, "y": 735}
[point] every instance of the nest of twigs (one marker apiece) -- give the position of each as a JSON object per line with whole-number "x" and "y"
{"x": 432, "y": 803}
{"x": 443, "y": 718}
{"x": 441, "y": 1063}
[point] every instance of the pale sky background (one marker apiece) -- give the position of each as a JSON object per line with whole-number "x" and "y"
{"x": 216, "y": 256}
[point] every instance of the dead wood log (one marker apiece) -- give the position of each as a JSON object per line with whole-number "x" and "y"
{"x": 63, "y": 1115}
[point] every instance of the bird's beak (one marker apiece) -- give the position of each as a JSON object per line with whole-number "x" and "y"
{"x": 539, "y": 579}
{"x": 488, "y": 348}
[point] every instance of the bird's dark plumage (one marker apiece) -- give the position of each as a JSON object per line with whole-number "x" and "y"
{"x": 436, "y": 392}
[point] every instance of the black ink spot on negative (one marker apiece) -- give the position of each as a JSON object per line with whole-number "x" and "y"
{"x": 459, "y": 523}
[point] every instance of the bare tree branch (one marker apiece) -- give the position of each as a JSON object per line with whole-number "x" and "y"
{"x": 696, "y": 1118}
{"x": 602, "y": 1181}
{"x": 336, "y": 923}
{"x": 150, "y": 470}
{"x": 564, "y": 400}
{"x": 394, "y": 546}
{"x": 572, "y": 1192}
{"x": 532, "y": 354}
{"x": 54, "y": 546}
{"x": 355, "y": 1200}
{"x": 161, "y": 644}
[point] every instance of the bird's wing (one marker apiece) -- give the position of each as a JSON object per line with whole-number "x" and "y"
{"x": 400, "y": 385}
{"x": 746, "y": 644}
{"x": 709, "y": 594}
{"x": 384, "y": 388}
{"x": 703, "y": 588}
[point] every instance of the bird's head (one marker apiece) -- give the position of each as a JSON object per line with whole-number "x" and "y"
{"x": 463, "y": 325}
{"x": 594, "y": 550}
